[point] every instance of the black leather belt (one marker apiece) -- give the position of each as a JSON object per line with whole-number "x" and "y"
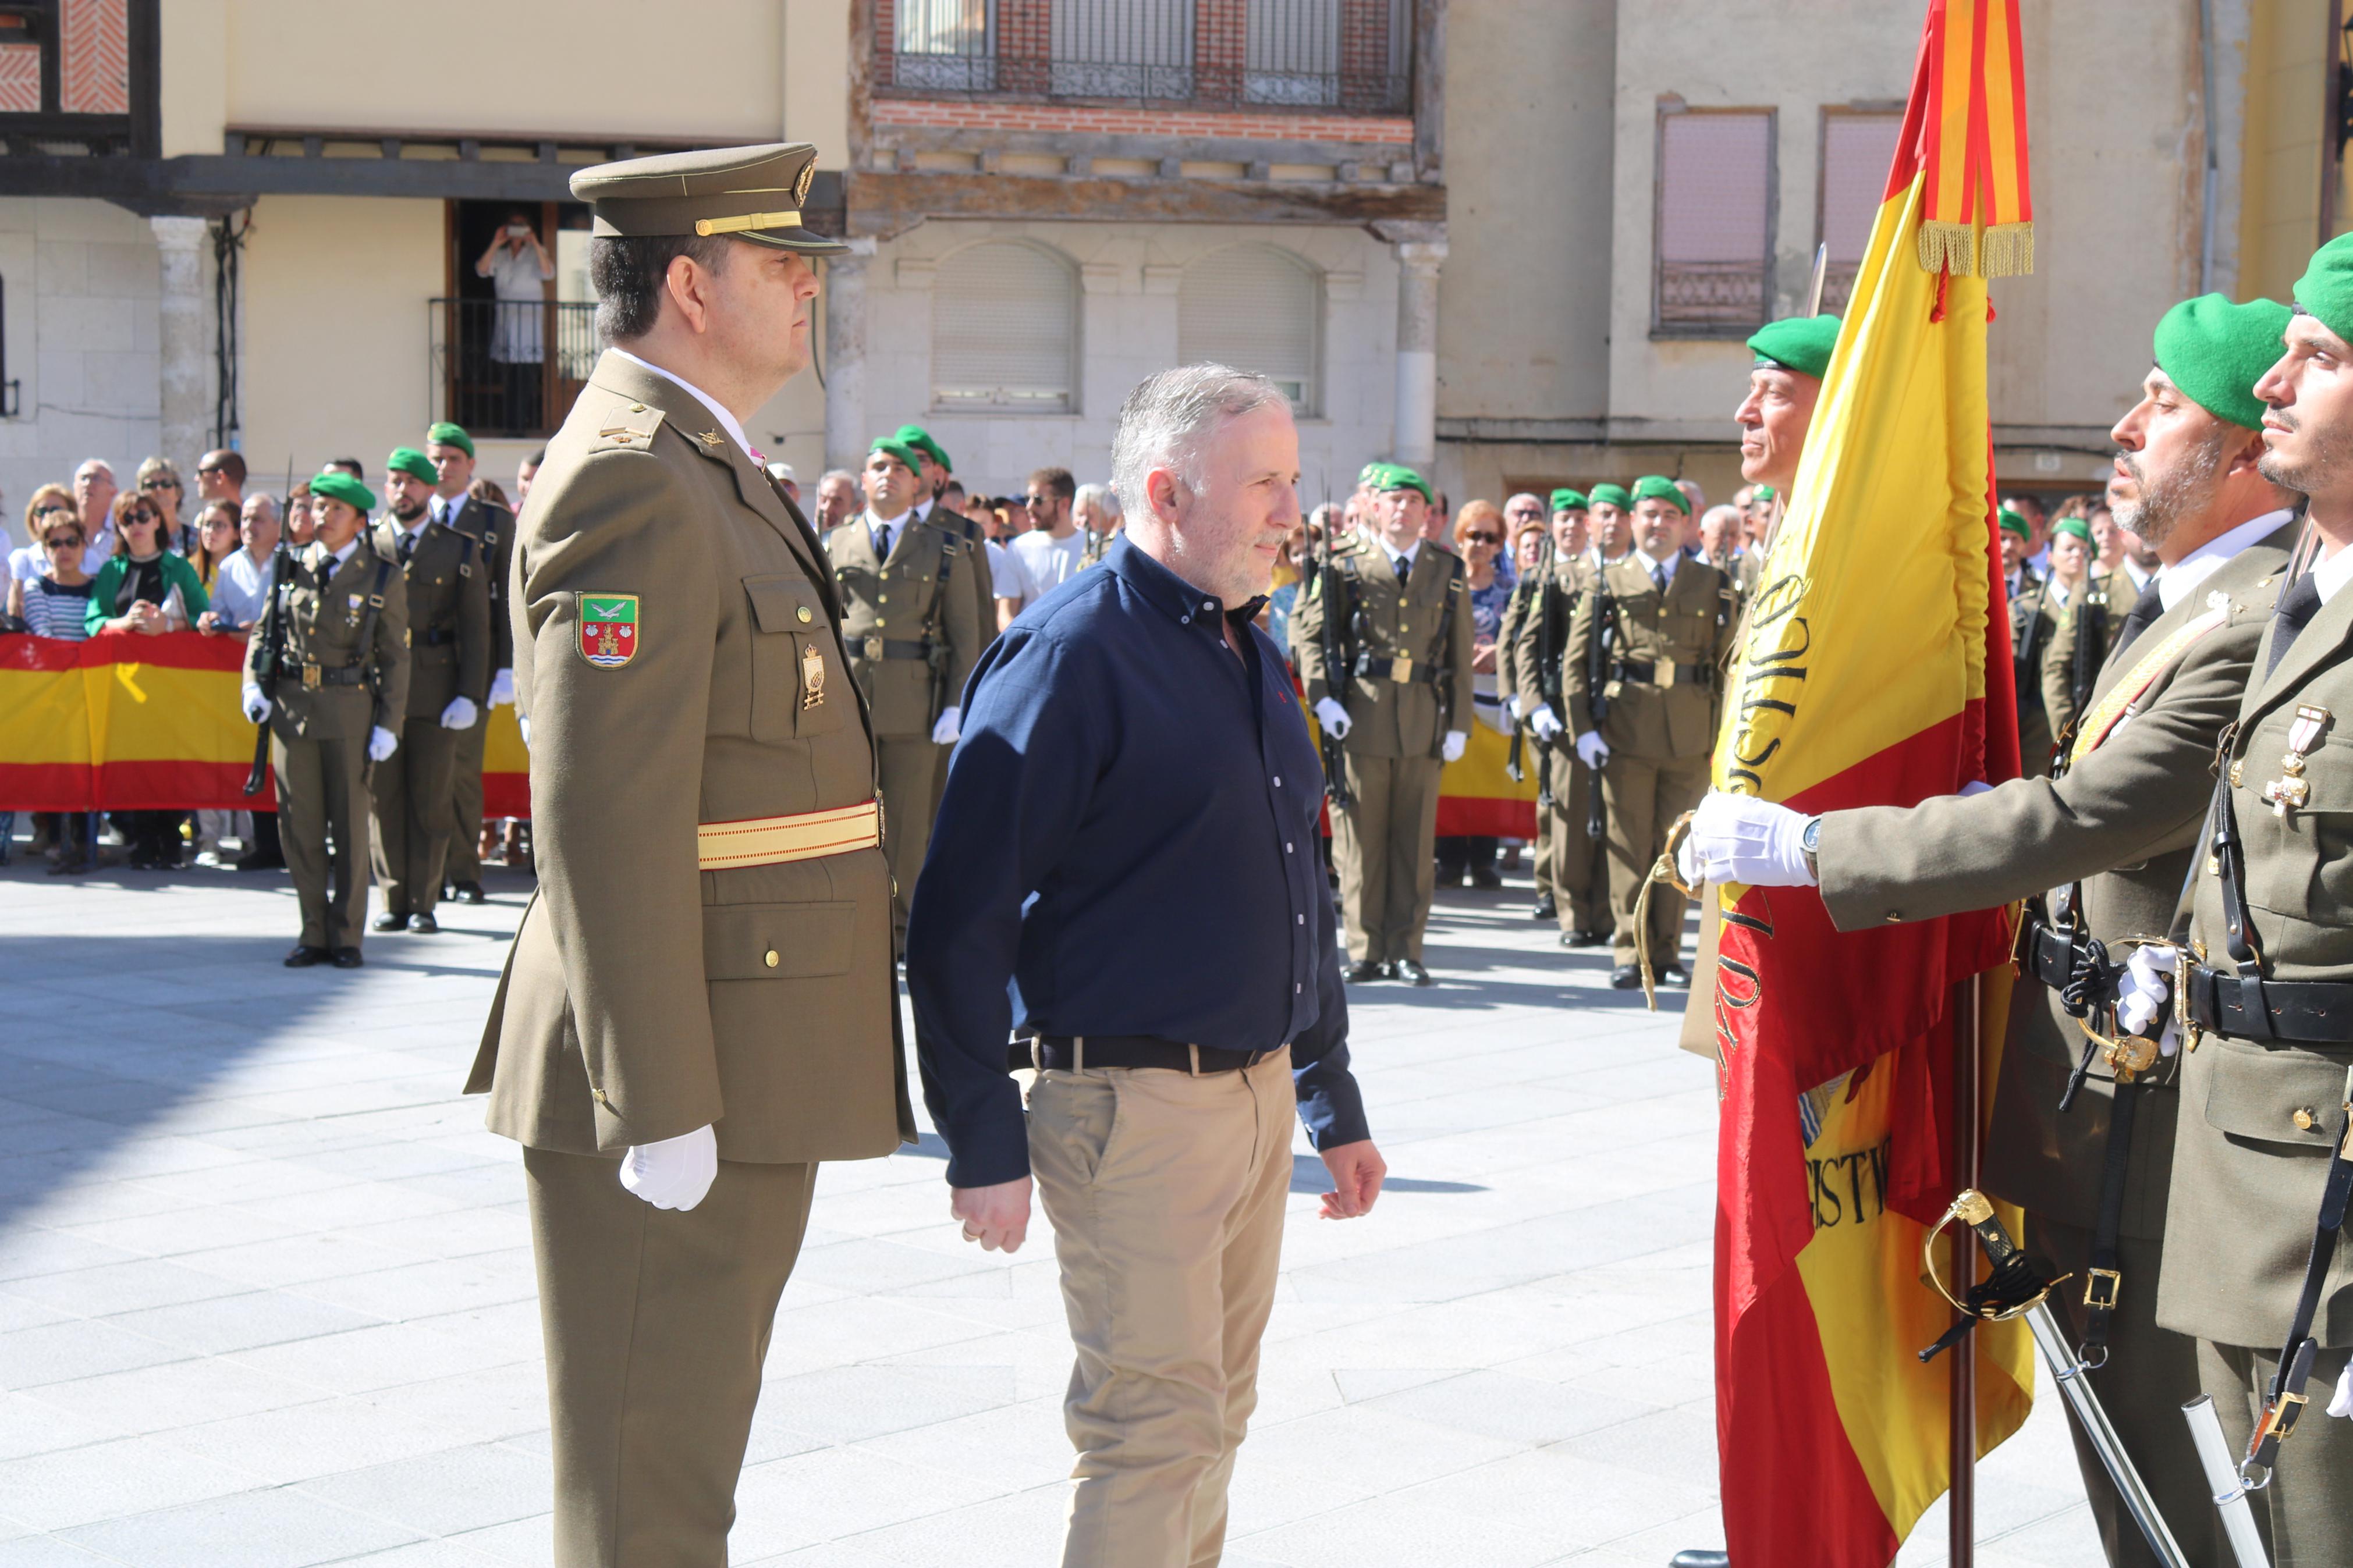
{"x": 1662, "y": 672}
{"x": 314, "y": 675}
{"x": 2049, "y": 953}
{"x": 1398, "y": 668}
{"x": 887, "y": 647}
{"x": 1074, "y": 1052}
{"x": 2300, "y": 1012}
{"x": 438, "y": 637}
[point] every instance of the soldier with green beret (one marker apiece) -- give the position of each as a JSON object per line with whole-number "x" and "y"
{"x": 699, "y": 1005}
{"x": 338, "y": 632}
{"x": 1566, "y": 843}
{"x": 914, "y": 630}
{"x": 492, "y": 528}
{"x": 1610, "y": 520}
{"x": 447, "y": 586}
{"x": 933, "y": 470}
{"x": 1400, "y": 703}
{"x": 2033, "y": 621}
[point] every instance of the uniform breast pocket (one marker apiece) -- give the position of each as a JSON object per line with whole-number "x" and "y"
{"x": 798, "y": 686}
{"x": 2301, "y": 861}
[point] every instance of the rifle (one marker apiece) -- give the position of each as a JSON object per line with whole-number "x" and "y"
{"x": 1548, "y": 682}
{"x": 2090, "y": 647}
{"x": 1596, "y": 688}
{"x": 937, "y": 654}
{"x": 272, "y": 635}
{"x": 1443, "y": 666}
{"x": 1339, "y": 668}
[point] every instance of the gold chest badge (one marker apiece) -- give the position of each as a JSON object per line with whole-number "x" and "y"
{"x": 812, "y": 678}
{"x": 2292, "y": 789}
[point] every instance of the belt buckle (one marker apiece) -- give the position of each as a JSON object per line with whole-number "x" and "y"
{"x": 309, "y": 677}
{"x": 1662, "y": 673}
{"x": 1401, "y": 669}
{"x": 872, "y": 649}
{"x": 2101, "y": 1287}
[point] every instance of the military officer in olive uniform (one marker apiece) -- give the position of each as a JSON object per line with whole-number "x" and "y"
{"x": 2115, "y": 830}
{"x": 914, "y": 629}
{"x": 492, "y": 528}
{"x": 1565, "y": 842}
{"x": 1509, "y": 685}
{"x": 2033, "y": 618}
{"x": 449, "y": 653}
{"x": 1649, "y": 729}
{"x": 2087, "y": 631}
{"x": 334, "y": 705}
{"x": 1400, "y": 711}
{"x": 932, "y": 474}
{"x": 698, "y": 1007}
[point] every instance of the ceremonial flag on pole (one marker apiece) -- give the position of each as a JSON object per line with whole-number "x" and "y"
{"x": 1874, "y": 669}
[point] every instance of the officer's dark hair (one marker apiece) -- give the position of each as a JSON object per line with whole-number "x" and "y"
{"x": 627, "y": 273}
{"x": 1057, "y": 481}
{"x": 955, "y": 484}
{"x": 350, "y": 466}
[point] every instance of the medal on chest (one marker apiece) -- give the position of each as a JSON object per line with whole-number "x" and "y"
{"x": 812, "y": 676}
{"x": 2292, "y": 789}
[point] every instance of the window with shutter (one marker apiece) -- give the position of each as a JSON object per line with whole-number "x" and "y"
{"x": 1003, "y": 330}
{"x": 945, "y": 45}
{"x": 1858, "y": 150}
{"x": 1256, "y": 309}
{"x": 1121, "y": 48}
{"x": 1713, "y": 222}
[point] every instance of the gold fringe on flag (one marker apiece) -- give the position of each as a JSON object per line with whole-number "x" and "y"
{"x": 2007, "y": 250}
{"x": 1949, "y": 247}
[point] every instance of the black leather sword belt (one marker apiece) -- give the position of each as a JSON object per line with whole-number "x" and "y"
{"x": 1664, "y": 672}
{"x": 2049, "y": 952}
{"x": 1074, "y": 1053}
{"x": 888, "y": 647}
{"x": 315, "y": 675}
{"x": 2300, "y": 1012}
{"x": 1398, "y": 668}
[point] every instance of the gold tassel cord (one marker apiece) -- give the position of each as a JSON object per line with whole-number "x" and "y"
{"x": 1949, "y": 247}
{"x": 1665, "y": 871}
{"x": 2009, "y": 250}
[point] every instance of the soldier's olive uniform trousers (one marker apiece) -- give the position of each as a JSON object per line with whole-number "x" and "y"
{"x": 463, "y": 862}
{"x": 322, "y": 792}
{"x": 1578, "y": 868}
{"x": 2301, "y": 1514}
{"x": 1542, "y": 854}
{"x": 1385, "y": 846}
{"x": 657, "y": 1324}
{"x": 906, "y": 767}
{"x": 1643, "y": 799}
{"x": 411, "y": 791}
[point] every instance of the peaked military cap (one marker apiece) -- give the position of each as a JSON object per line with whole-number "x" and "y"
{"x": 745, "y": 192}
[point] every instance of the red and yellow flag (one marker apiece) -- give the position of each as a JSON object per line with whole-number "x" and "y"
{"x": 1874, "y": 669}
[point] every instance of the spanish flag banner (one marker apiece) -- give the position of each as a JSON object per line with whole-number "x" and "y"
{"x": 1873, "y": 669}
{"x": 1476, "y": 796}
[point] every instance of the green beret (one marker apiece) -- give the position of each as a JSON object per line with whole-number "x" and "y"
{"x": 1398, "y": 477}
{"x": 2325, "y": 292}
{"x": 337, "y": 485}
{"x": 905, "y": 451}
{"x": 1657, "y": 486}
{"x": 410, "y": 461}
{"x": 1762, "y": 492}
{"x": 2014, "y": 523}
{"x": 1611, "y": 495}
{"x": 2216, "y": 351}
{"x": 449, "y": 435}
{"x": 2074, "y": 526}
{"x": 918, "y": 437}
{"x": 1369, "y": 472}
{"x": 1568, "y": 501}
{"x": 1801, "y": 343}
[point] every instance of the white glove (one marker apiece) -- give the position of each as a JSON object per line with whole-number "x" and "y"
{"x": 2342, "y": 1404}
{"x": 1451, "y": 749}
{"x": 459, "y": 714}
{"x": 381, "y": 743}
{"x": 1739, "y": 839}
{"x": 1511, "y": 707}
{"x": 522, "y": 722}
{"x": 1332, "y": 717}
{"x": 502, "y": 689}
{"x": 1592, "y": 750}
{"x": 675, "y": 1173}
{"x": 950, "y": 726}
{"x": 257, "y": 706}
{"x": 1688, "y": 865}
{"x": 1546, "y": 723}
{"x": 2145, "y": 993}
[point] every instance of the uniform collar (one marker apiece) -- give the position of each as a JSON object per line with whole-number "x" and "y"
{"x": 2333, "y": 573}
{"x": 727, "y": 421}
{"x": 2174, "y": 581}
{"x": 1650, "y": 567}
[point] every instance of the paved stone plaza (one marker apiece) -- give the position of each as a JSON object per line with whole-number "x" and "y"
{"x": 266, "y": 1293}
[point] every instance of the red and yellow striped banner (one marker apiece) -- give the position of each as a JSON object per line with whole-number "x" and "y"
{"x": 1977, "y": 200}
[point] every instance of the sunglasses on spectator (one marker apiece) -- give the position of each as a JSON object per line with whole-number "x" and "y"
{"x": 1483, "y": 538}
{"x": 143, "y": 514}
{"x": 1032, "y": 500}
{"x": 215, "y": 470}
{"x": 62, "y": 542}
{"x": 46, "y": 509}
{"x": 159, "y": 483}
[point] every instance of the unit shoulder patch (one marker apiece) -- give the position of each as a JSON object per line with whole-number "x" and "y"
{"x": 609, "y": 629}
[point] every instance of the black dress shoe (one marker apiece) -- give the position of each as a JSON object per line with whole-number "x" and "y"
{"x": 423, "y": 924}
{"x": 472, "y": 893}
{"x": 1583, "y": 938}
{"x": 1675, "y": 976}
{"x": 1365, "y": 971}
{"x": 1487, "y": 877}
{"x": 348, "y": 958}
{"x": 1547, "y": 908}
{"x": 1625, "y": 977}
{"x": 1699, "y": 1560}
{"x": 391, "y": 919}
{"x": 261, "y": 863}
{"x": 303, "y": 957}
{"x": 1412, "y": 970}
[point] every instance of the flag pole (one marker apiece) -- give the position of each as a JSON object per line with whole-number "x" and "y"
{"x": 1961, "y": 1499}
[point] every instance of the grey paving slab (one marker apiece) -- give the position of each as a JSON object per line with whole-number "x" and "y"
{"x": 266, "y": 1295}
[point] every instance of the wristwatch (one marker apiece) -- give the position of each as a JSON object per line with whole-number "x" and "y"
{"x": 1810, "y": 841}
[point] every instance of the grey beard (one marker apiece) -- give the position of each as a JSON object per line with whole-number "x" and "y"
{"x": 2182, "y": 490}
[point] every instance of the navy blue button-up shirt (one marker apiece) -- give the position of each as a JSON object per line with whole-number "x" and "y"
{"x": 1128, "y": 837}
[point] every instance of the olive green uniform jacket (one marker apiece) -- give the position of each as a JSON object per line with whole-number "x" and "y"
{"x": 2108, "y": 598}
{"x": 919, "y": 597}
{"x": 2034, "y": 617}
{"x": 326, "y": 610}
{"x": 644, "y": 997}
{"x": 449, "y": 640}
{"x": 1691, "y": 625}
{"x": 1398, "y": 628}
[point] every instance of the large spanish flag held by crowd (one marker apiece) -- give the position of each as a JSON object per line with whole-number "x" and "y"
{"x": 1874, "y": 669}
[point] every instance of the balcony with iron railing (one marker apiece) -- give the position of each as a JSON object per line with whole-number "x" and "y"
{"x": 510, "y": 368}
{"x": 1324, "y": 57}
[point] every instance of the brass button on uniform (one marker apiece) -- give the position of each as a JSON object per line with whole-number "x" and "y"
{"x": 636, "y": 408}
{"x": 770, "y": 958}
{"x": 602, "y": 1100}
{"x": 803, "y": 614}
{"x": 2305, "y": 1120}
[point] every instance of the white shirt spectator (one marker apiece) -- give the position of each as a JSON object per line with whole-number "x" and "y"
{"x": 517, "y": 279}
{"x": 241, "y": 587}
{"x": 1011, "y": 576}
{"x": 1050, "y": 562}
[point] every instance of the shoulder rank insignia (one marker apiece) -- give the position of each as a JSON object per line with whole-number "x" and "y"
{"x": 629, "y": 424}
{"x": 609, "y": 629}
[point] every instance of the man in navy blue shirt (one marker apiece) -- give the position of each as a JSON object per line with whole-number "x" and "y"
{"x": 1134, "y": 763}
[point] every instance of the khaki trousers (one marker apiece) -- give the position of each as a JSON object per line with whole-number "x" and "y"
{"x": 411, "y": 793}
{"x": 2305, "y": 1515}
{"x": 1579, "y": 871}
{"x": 1643, "y": 799}
{"x": 464, "y": 860}
{"x": 1541, "y": 856}
{"x": 323, "y": 791}
{"x": 1385, "y": 846}
{"x": 907, "y": 766}
{"x": 1165, "y": 1191}
{"x": 2151, "y": 1373}
{"x": 656, "y": 1323}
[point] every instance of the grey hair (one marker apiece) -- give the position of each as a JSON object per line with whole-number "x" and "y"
{"x": 1164, "y": 419}
{"x": 842, "y": 474}
{"x": 1102, "y": 496}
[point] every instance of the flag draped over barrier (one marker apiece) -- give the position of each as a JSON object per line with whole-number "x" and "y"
{"x": 1874, "y": 669}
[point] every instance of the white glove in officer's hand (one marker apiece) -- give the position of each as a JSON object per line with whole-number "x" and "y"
{"x": 1739, "y": 839}
{"x": 2342, "y": 1404}
{"x": 522, "y": 722}
{"x": 1546, "y": 723}
{"x": 381, "y": 743}
{"x": 1332, "y": 717}
{"x": 257, "y": 706}
{"x": 1688, "y": 865}
{"x": 950, "y": 726}
{"x": 2145, "y": 993}
{"x": 459, "y": 715}
{"x": 675, "y": 1173}
{"x": 1592, "y": 750}
{"x": 1512, "y": 708}
{"x": 502, "y": 689}
{"x": 1451, "y": 749}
